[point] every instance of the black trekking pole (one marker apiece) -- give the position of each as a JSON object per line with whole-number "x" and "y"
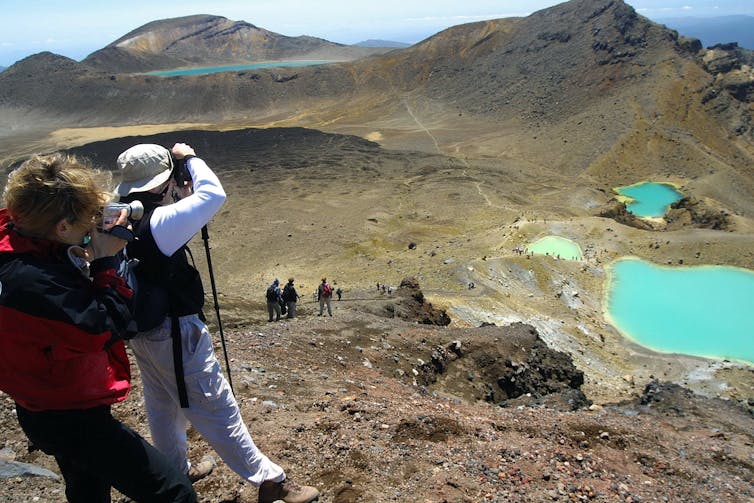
{"x": 205, "y": 238}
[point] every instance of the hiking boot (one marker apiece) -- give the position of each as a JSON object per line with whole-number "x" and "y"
{"x": 201, "y": 469}
{"x": 287, "y": 491}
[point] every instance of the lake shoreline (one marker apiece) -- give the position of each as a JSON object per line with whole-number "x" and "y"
{"x": 205, "y": 70}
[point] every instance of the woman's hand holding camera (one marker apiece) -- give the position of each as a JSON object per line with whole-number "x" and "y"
{"x": 105, "y": 244}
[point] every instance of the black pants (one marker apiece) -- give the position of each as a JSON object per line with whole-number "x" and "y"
{"x": 96, "y": 452}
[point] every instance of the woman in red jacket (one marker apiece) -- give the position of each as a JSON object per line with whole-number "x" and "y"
{"x": 63, "y": 315}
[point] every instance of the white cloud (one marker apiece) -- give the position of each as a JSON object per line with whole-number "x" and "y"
{"x": 461, "y": 18}
{"x": 656, "y": 9}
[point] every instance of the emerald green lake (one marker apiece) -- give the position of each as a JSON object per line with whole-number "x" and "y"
{"x": 702, "y": 311}
{"x": 235, "y": 68}
{"x": 556, "y": 246}
{"x": 649, "y": 199}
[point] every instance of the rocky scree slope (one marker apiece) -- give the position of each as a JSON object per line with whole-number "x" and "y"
{"x": 344, "y": 403}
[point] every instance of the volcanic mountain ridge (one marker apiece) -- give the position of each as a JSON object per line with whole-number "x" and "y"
{"x": 594, "y": 73}
{"x": 204, "y": 40}
{"x": 422, "y": 162}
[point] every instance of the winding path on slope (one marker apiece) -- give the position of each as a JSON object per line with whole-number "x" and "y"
{"x": 422, "y": 126}
{"x": 477, "y": 184}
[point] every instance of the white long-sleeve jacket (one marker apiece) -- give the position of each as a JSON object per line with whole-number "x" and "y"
{"x": 175, "y": 224}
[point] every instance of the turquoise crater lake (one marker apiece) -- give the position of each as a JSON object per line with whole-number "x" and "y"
{"x": 556, "y": 246}
{"x": 703, "y": 311}
{"x": 235, "y": 68}
{"x": 649, "y": 199}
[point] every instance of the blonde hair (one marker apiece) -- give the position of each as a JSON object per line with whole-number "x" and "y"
{"x": 47, "y": 189}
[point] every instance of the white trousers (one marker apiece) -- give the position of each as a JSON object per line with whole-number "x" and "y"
{"x": 213, "y": 410}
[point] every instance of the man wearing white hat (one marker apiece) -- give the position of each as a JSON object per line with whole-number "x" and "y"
{"x": 181, "y": 376}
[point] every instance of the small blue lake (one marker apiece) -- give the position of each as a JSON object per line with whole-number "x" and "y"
{"x": 649, "y": 199}
{"x": 703, "y": 311}
{"x": 235, "y": 68}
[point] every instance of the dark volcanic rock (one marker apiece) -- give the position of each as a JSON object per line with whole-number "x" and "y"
{"x": 546, "y": 371}
{"x": 672, "y": 400}
{"x": 498, "y": 364}
{"x": 723, "y": 58}
{"x": 689, "y": 211}
{"x": 682, "y": 213}
{"x": 419, "y": 309}
{"x": 617, "y": 211}
{"x": 223, "y": 149}
{"x": 407, "y": 303}
{"x": 667, "y": 398}
{"x": 44, "y": 62}
{"x": 740, "y": 85}
{"x": 729, "y": 63}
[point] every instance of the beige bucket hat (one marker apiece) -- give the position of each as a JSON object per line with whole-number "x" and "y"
{"x": 143, "y": 167}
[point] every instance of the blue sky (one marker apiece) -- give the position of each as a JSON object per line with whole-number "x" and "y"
{"x": 75, "y": 28}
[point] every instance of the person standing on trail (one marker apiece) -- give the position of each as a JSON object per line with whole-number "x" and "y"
{"x": 64, "y": 312}
{"x": 290, "y": 297}
{"x": 324, "y": 296}
{"x": 182, "y": 380}
{"x": 273, "y": 296}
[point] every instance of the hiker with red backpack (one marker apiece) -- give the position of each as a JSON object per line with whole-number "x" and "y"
{"x": 324, "y": 296}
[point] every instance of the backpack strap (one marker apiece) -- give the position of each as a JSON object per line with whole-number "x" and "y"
{"x": 193, "y": 263}
{"x": 180, "y": 378}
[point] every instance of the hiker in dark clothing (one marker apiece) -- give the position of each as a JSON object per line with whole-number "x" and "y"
{"x": 274, "y": 297}
{"x": 290, "y": 297}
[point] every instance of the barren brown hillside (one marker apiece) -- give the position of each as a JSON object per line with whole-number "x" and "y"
{"x": 203, "y": 40}
{"x": 484, "y": 137}
{"x": 437, "y": 162}
{"x": 584, "y": 88}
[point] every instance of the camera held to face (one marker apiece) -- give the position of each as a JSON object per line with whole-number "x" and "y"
{"x": 181, "y": 174}
{"x": 111, "y": 213}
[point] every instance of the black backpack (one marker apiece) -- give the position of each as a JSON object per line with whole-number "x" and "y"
{"x": 288, "y": 293}
{"x": 272, "y": 295}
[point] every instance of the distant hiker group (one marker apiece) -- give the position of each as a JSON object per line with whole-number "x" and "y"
{"x": 280, "y": 302}
{"x": 383, "y": 288}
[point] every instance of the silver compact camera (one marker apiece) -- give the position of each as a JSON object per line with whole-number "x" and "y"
{"x": 111, "y": 212}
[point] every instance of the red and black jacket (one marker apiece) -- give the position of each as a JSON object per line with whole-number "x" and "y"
{"x": 61, "y": 333}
